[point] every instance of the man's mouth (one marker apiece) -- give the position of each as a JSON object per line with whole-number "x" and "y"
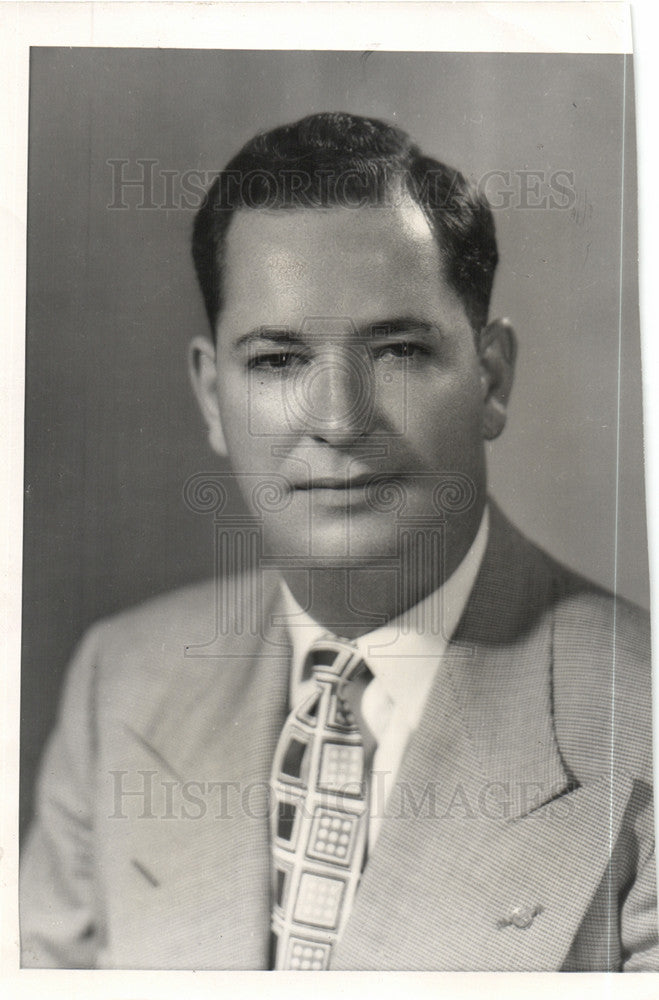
{"x": 334, "y": 482}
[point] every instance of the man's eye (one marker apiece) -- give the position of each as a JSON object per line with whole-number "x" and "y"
{"x": 404, "y": 350}
{"x": 275, "y": 361}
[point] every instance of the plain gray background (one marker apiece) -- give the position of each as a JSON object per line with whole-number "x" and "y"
{"x": 112, "y": 432}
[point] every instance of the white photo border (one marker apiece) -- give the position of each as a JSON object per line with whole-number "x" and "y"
{"x": 416, "y": 26}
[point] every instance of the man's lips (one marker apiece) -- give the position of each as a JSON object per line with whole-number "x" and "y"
{"x": 333, "y": 482}
{"x": 344, "y": 484}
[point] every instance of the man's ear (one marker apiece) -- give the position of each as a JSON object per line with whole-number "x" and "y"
{"x": 203, "y": 375}
{"x": 497, "y": 351}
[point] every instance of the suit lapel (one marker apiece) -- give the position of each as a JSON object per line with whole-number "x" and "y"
{"x": 487, "y": 857}
{"x": 201, "y": 865}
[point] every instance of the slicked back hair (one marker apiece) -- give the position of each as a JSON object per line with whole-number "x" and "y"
{"x": 337, "y": 159}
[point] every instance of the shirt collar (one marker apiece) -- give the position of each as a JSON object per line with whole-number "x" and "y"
{"x": 403, "y": 654}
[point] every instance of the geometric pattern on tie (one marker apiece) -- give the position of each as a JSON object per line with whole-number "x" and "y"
{"x": 319, "y": 819}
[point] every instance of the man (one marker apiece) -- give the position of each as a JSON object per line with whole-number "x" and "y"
{"x": 408, "y": 739}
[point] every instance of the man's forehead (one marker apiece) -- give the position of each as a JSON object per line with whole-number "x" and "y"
{"x": 312, "y": 232}
{"x": 330, "y": 259}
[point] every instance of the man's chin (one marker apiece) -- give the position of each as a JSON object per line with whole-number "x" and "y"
{"x": 338, "y": 542}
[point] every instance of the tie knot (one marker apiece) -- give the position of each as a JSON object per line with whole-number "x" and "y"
{"x": 334, "y": 661}
{"x": 338, "y": 665}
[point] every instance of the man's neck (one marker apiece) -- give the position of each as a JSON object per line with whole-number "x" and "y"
{"x": 350, "y": 601}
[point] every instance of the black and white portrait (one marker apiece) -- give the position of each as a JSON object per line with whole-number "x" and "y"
{"x": 335, "y": 635}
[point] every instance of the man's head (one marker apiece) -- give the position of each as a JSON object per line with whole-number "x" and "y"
{"x": 350, "y": 342}
{"x": 336, "y": 159}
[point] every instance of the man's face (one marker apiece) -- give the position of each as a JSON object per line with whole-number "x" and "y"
{"x": 342, "y": 353}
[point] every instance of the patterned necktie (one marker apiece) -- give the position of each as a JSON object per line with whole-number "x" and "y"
{"x": 320, "y": 814}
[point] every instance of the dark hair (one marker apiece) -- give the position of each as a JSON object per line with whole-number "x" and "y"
{"x": 338, "y": 159}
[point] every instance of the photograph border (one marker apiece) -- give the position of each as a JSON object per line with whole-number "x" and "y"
{"x": 523, "y": 26}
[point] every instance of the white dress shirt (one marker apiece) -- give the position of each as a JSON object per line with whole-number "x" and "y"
{"x": 403, "y": 656}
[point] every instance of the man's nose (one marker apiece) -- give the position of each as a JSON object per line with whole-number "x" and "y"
{"x": 333, "y": 399}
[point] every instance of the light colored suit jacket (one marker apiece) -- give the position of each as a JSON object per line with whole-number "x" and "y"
{"x": 519, "y": 834}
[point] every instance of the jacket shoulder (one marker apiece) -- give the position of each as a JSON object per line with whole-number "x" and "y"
{"x": 601, "y": 681}
{"x": 165, "y": 618}
{"x": 189, "y": 615}
{"x": 140, "y": 652}
{"x": 600, "y": 675}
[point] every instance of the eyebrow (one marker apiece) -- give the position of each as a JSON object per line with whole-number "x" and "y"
{"x": 399, "y": 324}
{"x": 277, "y": 335}
{"x": 391, "y": 327}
